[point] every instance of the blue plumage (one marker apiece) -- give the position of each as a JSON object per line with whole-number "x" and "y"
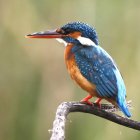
{"x": 98, "y": 67}
{"x": 121, "y": 95}
{"x": 88, "y": 64}
{"x": 87, "y": 31}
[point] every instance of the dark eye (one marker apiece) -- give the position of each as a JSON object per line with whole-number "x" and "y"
{"x": 60, "y": 31}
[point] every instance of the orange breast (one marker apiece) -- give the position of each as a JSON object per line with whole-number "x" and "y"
{"x": 75, "y": 72}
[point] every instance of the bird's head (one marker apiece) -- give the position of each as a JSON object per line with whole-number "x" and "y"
{"x": 74, "y": 32}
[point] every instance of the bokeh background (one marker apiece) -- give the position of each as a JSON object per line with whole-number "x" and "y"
{"x": 33, "y": 77}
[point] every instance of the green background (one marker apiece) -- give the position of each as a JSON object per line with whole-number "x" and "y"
{"x": 33, "y": 77}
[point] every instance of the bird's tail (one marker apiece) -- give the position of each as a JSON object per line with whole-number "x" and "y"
{"x": 123, "y": 106}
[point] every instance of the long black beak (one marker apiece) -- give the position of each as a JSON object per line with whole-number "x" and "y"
{"x": 45, "y": 34}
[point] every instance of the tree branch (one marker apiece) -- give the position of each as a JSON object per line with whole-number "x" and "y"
{"x": 58, "y": 131}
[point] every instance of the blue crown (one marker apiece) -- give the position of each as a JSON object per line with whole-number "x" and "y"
{"x": 85, "y": 29}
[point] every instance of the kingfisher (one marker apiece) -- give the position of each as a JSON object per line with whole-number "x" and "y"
{"x": 88, "y": 64}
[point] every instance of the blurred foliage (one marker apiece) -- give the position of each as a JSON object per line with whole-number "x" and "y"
{"x": 33, "y": 77}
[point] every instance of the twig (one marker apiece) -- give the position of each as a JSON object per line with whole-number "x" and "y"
{"x": 58, "y": 131}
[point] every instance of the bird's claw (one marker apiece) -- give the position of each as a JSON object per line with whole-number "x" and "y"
{"x": 98, "y": 105}
{"x": 97, "y": 102}
{"x": 87, "y": 102}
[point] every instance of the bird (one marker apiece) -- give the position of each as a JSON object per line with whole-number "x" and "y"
{"x": 88, "y": 64}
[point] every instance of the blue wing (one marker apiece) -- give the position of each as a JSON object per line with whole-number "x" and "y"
{"x": 98, "y": 67}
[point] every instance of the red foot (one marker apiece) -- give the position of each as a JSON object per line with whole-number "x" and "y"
{"x": 86, "y": 100}
{"x": 98, "y": 102}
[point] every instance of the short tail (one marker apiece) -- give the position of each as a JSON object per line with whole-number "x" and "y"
{"x": 123, "y": 107}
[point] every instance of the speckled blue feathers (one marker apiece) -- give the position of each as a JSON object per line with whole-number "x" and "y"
{"x": 95, "y": 64}
{"x": 88, "y": 64}
{"x": 87, "y": 30}
{"x": 98, "y": 67}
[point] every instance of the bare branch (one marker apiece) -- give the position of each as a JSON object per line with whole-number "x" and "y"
{"x": 58, "y": 131}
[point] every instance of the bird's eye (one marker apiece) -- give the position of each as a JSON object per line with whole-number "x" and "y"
{"x": 60, "y": 31}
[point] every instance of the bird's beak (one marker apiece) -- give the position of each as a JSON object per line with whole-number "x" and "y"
{"x": 45, "y": 34}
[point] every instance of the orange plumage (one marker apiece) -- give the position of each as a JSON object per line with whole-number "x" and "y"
{"x": 75, "y": 72}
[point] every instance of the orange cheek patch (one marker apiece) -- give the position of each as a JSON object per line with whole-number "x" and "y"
{"x": 75, "y": 34}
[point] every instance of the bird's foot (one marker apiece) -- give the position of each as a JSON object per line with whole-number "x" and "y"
{"x": 97, "y": 102}
{"x": 86, "y": 100}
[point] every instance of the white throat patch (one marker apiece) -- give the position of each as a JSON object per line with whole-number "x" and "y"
{"x": 82, "y": 40}
{"x": 86, "y": 41}
{"x": 62, "y": 41}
